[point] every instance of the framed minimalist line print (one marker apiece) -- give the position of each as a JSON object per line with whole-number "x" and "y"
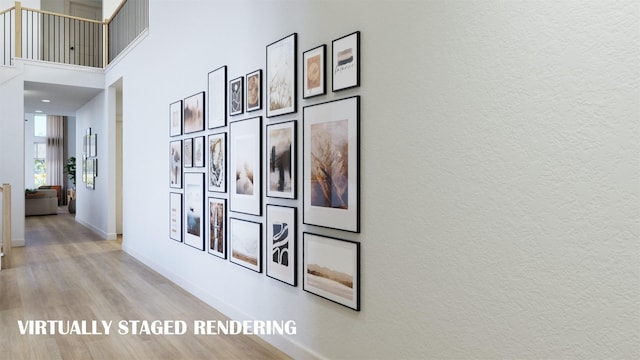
{"x": 246, "y": 177}
{"x": 281, "y": 160}
{"x": 217, "y": 227}
{"x": 281, "y": 244}
{"x": 198, "y": 151}
{"x": 331, "y": 269}
{"x": 281, "y": 76}
{"x": 346, "y": 62}
{"x": 331, "y": 164}
{"x": 254, "y": 91}
{"x": 194, "y": 210}
{"x": 194, "y": 113}
{"x": 218, "y": 162}
{"x": 246, "y": 247}
{"x": 175, "y": 164}
{"x": 235, "y": 96}
{"x": 175, "y": 216}
{"x": 313, "y": 73}
{"x": 175, "y": 118}
{"x": 188, "y": 153}
{"x": 217, "y": 93}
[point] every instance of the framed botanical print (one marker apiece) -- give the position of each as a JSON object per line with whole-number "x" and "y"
{"x": 246, "y": 247}
{"x": 198, "y": 151}
{"x": 281, "y": 76}
{"x": 331, "y": 164}
{"x": 313, "y": 73}
{"x": 175, "y": 164}
{"x": 254, "y": 91}
{"x": 175, "y": 216}
{"x": 245, "y": 164}
{"x": 217, "y": 168}
{"x": 193, "y": 117}
{"x": 175, "y": 118}
{"x": 194, "y": 210}
{"x": 281, "y": 160}
{"x": 235, "y": 96}
{"x": 345, "y": 62}
{"x": 188, "y": 153}
{"x": 281, "y": 243}
{"x": 217, "y": 227}
{"x": 217, "y": 96}
{"x": 331, "y": 269}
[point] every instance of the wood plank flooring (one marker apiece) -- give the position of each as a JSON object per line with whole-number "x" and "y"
{"x": 66, "y": 272}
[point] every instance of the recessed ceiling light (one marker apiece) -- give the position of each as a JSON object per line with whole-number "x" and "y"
{"x": 46, "y": 100}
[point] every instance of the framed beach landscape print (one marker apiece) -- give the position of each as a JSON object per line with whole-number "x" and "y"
{"x": 281, "y": 76}
{"x": 331, "y": 269}
{"x": 217, "y": 96}
{"x": 246, "y": 247}
{"x": 331, "y": 164}
{"x": 345, "y": 63}
{"x": 245, "y": 166}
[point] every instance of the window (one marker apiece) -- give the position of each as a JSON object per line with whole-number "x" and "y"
{"x": 40, "y": 125}
{"x": 39, "y": 169}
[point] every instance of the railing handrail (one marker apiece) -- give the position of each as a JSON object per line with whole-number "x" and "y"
{"x": 115, "y": 12}
{"x": 64, "y": 16}
{"x": 8, "y": 10}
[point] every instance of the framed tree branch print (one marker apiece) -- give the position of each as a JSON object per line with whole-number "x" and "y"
{"x": 281, "y": 76}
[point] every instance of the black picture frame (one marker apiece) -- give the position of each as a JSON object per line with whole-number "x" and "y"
{"x": 314, "y": 75}
{"x": 217, "y": 229}
{"x": 175, "y": 118}
{"x": 198, "y": 152}
{"x": 236, "y": 94}
{"x": 217, "y": 96}
{"x": 245, "y": 243}
{"x": 254, "y": 90}
{"x": 193, "y": 113}
{"x": 281, "y": 89}
{"x": 281, "y": 160}
{"x": 217, "y": 163}
{"x": 175, "y": 164}
{"x": 194, "y": 215}
{"x": 245, "y": 168}
{"x": 281, "y": 244}
{"x": 345, "y": 62}
{"x": 187, "y": 153}
{"x": 175, "y": 216}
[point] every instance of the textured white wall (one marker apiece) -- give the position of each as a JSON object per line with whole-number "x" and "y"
{"x": 499, "y": 172}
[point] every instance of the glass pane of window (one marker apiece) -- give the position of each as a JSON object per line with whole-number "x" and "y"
{"x": 39, "y": 173}
{"x": 40, "y": 125}
{"x": 40, "y": 151}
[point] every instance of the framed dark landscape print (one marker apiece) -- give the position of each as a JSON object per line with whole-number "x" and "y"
{"x": 281, "y": 76}
{"x": 281, "y": 243}
{"x": 217, "y": 227}
{"x": 345, "y": 63}
{"x": 245, "y": 163}
{"x": 217, "y": 96}
{"x": 313, "y": 72}
{"x": 281, "y": 160}
{"x": 331, "y": 269}
{"x": 175, "y": 164}
{"x": 175, "y": 118}
{"x": 193, "y": 117}
{"x": 235, "y": 96}
{"x": 194, "y": 210}
{"x": 188, "y": 153}
{"x": 246, "y": 247}
{"x": 331, "y": 164}
{"x": 175, "y": 216}
{"x": 217, "y": 168}
{"x": 254, "y": 91}
{"x": 198, "y": 151}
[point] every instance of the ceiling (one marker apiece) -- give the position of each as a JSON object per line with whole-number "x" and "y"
{"x": 65, "y": 100}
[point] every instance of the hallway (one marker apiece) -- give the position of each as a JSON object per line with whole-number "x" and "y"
{"x": 65, "y": 272}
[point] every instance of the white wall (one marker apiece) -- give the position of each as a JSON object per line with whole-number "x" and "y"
{"x": 499, "y": 172}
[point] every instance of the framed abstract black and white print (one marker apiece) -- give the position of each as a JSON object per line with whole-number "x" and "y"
{"x": 245, "y": 166}
{"x": 217, "y": 168}
{"x": 281, "y": 244}
{"x": 281, "y": 76}
{"x": 217, "y": 95}
{"x": 281, "y": 160}
{"x": 236, "y": 92}
{"x": 345, "y": 63}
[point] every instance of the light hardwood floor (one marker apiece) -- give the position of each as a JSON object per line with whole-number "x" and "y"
{"x": 66, "y": 272}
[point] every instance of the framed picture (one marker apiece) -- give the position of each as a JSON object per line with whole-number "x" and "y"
{"x": 188, "y": 153}
{"x": 175, "y": 164}
{"x": 235, "y": 96}
{"x": 91, "y": 185}
{"x": 313, "y": 72}
{"x": 346, "y": 62}
{"x": 218, "y": 162}
{"x": 194, "y": 210}
{"x": 84, "y": 170}
{"x": 217, "y": 227}
{"x": 217, "y": 92}
{"x": 198, "y": 151}
{"x": 175, "y": 216}
{"x": 246, "y": 247}
{"x": 281, "y": 160}
{"x": 254, "y": 91}
{"x": 245, "y": 149}
{"x": 193, "y": 117}
{"x": 93, "y": 145}
{"x": 281, "y": 76}
{"x": 331, "y": 164}
{"x": 331, "y": 269}
{"x": 175, "y": 118}
{"x": 281, "y": 244}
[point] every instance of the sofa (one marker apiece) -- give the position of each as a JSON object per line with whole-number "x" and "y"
{"x": 41, "y": 202}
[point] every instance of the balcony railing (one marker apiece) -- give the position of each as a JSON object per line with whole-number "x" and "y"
{"x": 41, "y": 35}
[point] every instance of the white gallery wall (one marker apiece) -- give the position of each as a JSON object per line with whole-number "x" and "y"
{"x": 499, "y": 172}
